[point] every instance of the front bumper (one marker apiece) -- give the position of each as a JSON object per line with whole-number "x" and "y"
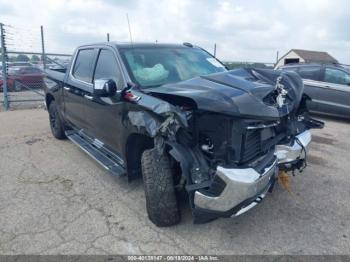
{"x": 294, "y": 151}
{"x": 244, "y": 188}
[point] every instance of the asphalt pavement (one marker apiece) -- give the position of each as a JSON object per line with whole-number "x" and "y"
{"x": 54, "y": 199}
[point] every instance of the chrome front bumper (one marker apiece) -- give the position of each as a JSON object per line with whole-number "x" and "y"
{"x": 241, "y": 185}
{"x": 294, "y": 151}
{"x": 245, "y": 188}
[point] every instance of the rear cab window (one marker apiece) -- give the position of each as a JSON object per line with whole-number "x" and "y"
{"x": 83, "y": 65}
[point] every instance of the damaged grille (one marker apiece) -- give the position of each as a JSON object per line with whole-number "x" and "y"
{"x": 256, "y": 139}
{"x": 251, "y": 145}
{"x": 235, "y": 142}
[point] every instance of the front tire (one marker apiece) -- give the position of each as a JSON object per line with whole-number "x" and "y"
{"x": 56, "y": 124}
{"x": 161, "y": 202}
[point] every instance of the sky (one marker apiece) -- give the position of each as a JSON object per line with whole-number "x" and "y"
{"x": 251, "y": 30}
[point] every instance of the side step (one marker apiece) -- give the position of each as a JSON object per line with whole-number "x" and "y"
{"x": 95, "y": 149}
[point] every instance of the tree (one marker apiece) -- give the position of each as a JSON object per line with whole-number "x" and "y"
{"x": 22, "y": 58}
{"x": 35, "y": 58}
{"x": 234, "y": 65}
{"x": 12, "y": 58}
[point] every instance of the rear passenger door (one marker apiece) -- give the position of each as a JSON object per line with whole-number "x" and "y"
{"x": 104, "y": 114}
{"x": 78, "y": 86}
{"x": 336, "y": 91}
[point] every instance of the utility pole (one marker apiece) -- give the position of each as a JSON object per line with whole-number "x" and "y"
{"x": 4, "y": 66}
{"x": 215, "y": 50}
{"x": 43, "y": 47}
{"x": 107, "y": 37}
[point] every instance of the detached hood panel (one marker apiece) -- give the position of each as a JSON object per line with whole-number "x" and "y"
{"x": 242, "y": 92}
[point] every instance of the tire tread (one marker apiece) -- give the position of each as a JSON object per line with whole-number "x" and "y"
{"x": 161, "y": 202}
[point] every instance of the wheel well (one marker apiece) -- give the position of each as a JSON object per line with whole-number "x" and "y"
{"x": 135, "y": 145}
{"x": 49, "y": 98}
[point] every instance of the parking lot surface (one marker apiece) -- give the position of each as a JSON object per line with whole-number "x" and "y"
{"x": 54, "y": 199}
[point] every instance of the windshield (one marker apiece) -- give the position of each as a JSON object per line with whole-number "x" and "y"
{"x": 155, "y": 66}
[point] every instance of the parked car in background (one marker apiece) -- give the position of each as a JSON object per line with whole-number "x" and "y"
{"x": 20, "y": 77}
{"x": 328, "y": 85}
{"x": 12, "y": 64}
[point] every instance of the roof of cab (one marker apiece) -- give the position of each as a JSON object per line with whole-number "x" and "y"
{"x": 138, "y": 44}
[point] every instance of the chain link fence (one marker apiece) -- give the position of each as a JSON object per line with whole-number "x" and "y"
{"x": 23, "y": 61}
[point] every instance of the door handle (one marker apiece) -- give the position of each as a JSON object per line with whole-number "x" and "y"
{"x": 66, "y": 88}
{"x": 88, "y": 97}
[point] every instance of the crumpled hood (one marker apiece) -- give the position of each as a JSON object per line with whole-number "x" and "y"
{"x": 243, "y": 92}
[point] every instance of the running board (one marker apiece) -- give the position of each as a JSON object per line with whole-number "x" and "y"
{"x": 97, "y": 151}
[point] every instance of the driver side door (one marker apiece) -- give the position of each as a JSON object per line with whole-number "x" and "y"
{"x": 104, "y": 114}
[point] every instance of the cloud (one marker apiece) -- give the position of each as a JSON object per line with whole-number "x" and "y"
{"x": 243, "y": 30}
{"x": 6, "y": 9}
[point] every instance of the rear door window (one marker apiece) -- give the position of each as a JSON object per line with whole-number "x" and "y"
{"x": 309, "y": 72}
{"x": 83, "y": 65}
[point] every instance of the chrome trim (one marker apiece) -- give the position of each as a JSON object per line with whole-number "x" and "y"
{"x": 97, "y": 143}
{"x": 99, "y": 84}
{"x": 263, "y": 126}
{"x": 88, "y": 97}
{"x": 241, "y": 184}
{"x": 326, "y": 85}
{"x": 66, "y": 88}
{"x": 251, "y": 205}
{"x": 245, "y": 209}
{"x": 288, "y": 153}
{"x": 315, "y": 83}
{"x": 89, "y": 154}
{"x": 331, "y": 103}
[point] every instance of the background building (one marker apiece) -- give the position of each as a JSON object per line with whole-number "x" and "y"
{"x": 305, "y": 56}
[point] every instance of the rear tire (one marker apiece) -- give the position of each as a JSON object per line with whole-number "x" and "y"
{"x": 161, "y": 202}
{"x": 56, "y": 124}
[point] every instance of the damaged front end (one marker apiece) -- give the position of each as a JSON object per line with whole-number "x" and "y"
{"x": 230, "y": 133}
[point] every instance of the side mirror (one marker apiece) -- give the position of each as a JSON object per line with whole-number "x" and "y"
{"x": 104, "y": 87}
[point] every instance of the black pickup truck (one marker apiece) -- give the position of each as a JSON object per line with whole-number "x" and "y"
{"x": 174, "y": 115}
